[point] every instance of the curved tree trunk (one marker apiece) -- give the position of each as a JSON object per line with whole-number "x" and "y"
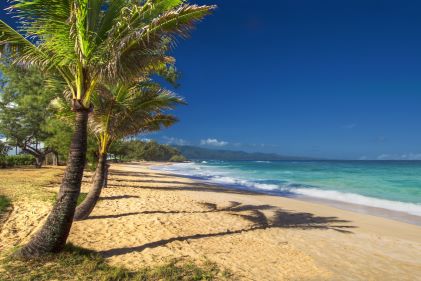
{"x": 86, "y": 207}
{"x": 51, "y": 238}
{"x": 107, "y": 168}
{"x": 39, "y": 160}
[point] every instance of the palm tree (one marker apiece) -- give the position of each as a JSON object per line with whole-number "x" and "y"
{"x": 86, "y": 42}
{"x": 121, "y": 111}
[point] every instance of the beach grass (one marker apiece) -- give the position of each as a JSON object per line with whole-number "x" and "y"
{"x": 75, "y": 263}
{"x": 29, "y": 183}
{"x": 4, "y": 203}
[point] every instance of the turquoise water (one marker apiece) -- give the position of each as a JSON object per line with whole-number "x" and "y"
{"x": 392, "y": 185}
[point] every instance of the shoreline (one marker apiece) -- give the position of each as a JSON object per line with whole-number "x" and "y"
{"x": 149, "y": 218}
{"x": 342, "y": 205}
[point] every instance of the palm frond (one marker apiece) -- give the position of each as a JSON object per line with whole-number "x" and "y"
{"x": 136, "y": 42}
{"x": 19, "y": 48}
{"x": 120, "y": 110}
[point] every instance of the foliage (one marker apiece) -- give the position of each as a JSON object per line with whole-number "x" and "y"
{"x": 85, "y": 42}
{"x": 121, "y": 111}
{"x": 9, "y": 161}
{"x": 148, "y": 151}
{"x": 4, "y": 148}
{"x": 178, "y": 158}
{"x": 60, "y": 134}
{"x": 75, "y": 263}
{"x": 24, "y": 108}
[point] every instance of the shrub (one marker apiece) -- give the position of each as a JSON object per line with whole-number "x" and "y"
{"x": 4, "y": 203}
{"x": 178, "y": 158}
{"x": 8, "y": 161}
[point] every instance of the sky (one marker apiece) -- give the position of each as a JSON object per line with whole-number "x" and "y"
{"x": 330, "y": 79}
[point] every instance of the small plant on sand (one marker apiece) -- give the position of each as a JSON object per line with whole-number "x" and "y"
{"x": 4, "y": 203}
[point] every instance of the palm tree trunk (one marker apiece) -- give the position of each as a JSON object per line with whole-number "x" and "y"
{"x": 51, "y": 238}
{"x": 86, "y": 207}
{"x": 107, "y": 169}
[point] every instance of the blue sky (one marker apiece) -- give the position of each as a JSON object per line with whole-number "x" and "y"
{"x": 331, "y": 79}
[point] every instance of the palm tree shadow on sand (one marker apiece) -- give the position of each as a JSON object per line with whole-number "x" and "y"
{"x": 278, "y": 218}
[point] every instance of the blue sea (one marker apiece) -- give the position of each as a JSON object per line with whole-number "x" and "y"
{"x": 389, "y": 185}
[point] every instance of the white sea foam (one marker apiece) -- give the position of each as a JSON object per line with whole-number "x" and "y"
{"x": 410, "y": 208}
{"x": 219, "y": 176}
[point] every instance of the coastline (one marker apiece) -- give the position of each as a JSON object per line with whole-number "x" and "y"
{"x": 396, "y": 215}
{"x": 158, "y": 216}
{"x": 149, "y": 218}
{"x": 386, "y": 219}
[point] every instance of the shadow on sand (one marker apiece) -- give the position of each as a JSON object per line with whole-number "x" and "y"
{"x": 278, "y": 218}
{"x": 118, "y": 197}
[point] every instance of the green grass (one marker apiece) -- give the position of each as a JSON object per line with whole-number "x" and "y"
{"x": 79, "y": 264}
{"x": 4, "y": 203}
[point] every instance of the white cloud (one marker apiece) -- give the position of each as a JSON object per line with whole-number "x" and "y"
{"x": 411, "y": 156}
{"x": 350, "y": 126}
{"x": 405, "y": 156}
{"x": 384, "y": 157}
{"x": 213, "y": 142}
{"x": 176, "y": 141}
{"x": 145, "y": 139}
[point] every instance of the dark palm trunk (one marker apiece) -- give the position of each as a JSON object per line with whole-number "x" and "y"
{"x": 51, "y": 238}
{"x": 107, "y": 168}
{"x": 85, "y": 209}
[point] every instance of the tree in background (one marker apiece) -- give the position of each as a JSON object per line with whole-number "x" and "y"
{"x": 119, "y": 112}
{"x": 25, "y": 96}
{"x": 85, "y": 42}
{"x": 4, "y": 148}
{"x": 151, "y": 151}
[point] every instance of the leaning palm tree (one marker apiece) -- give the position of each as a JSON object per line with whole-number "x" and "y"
{"x": 121, "y": 111}
{"x": 86, "y": 42}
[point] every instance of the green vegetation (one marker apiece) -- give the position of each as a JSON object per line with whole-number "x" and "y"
{"x": 177, "y": 158}
{"x": 22, "y": 183}
{"x": 148, "y": 151}
{"x": 24, "y": 109}
{"x": 79, "y": 264}
{"x": 71, "y": 51}
{"x": 4, "y": 203}
{"x": 9, "y": 161}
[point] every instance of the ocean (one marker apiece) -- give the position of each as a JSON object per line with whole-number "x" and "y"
{"x": 394, "y": 186}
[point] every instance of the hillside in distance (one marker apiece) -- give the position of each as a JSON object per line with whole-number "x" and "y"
{"x": 200, "y": 153}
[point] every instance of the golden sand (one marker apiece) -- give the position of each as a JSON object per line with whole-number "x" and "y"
{"x": 149, "y": 217}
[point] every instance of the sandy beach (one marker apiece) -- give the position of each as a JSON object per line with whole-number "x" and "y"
{"x": 148, "y": 217}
